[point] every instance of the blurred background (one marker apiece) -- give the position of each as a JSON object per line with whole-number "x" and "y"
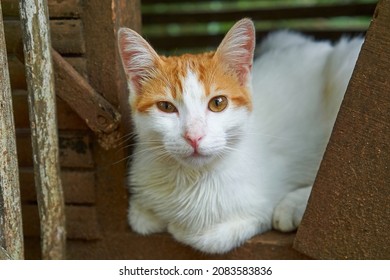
{"x": 177, "y": 26}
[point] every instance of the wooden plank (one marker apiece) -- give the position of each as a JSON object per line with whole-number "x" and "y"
{"x": 42, "y": 107}
{"x": 127, "y": 245}
{"x": 279, "y": 13}
{"x": 100, "y": 116}
{"x": 4, "y": 254}
{"x": 348, "y": 213}
{"x": 206, "y": 41}
{"x": 66, "y": 36}
{"x": 67, "y": 118}
{"x": 75, "y": 149}
{"x": 11, "y": 235}
{"x": 107, "y": 77}
{"x": 104, "y": 64}
{"x": 81, "y": 222}
{"x": 57, "y": 9}
{"x": 78, "y": 185}
{"x": 17, "y": 71}
{"x": 79, "y": 64}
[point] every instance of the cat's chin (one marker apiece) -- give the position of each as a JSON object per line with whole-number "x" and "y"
{"x": 196, "y": 160}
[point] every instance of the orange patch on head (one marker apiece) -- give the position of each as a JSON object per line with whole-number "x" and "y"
{"x": 166, "y": 82}
{"x": 226, "y": 82}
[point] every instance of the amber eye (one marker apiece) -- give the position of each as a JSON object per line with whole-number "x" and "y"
{"x": 166, "y": 107}
{"x": 218, "y": 103}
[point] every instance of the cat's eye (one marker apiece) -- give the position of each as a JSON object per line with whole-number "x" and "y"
{"x": 166, "y": 107}
{"x": 218, "y": 103}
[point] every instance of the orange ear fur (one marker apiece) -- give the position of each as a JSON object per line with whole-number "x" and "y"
{"x": 138, "y": 57}
{"x": 237, "y": 48}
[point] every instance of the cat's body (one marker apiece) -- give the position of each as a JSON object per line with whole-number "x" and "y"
{"x": 216, "y": 164}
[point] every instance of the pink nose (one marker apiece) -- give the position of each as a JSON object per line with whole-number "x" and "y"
{"x": 193, "y": 140}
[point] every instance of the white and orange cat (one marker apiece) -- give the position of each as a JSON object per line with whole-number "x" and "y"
{"x": 227, "y": 148}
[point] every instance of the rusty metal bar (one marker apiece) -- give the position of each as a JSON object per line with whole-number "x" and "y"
{"x": 11, "y": 231}
{"x": 43, "y": 122}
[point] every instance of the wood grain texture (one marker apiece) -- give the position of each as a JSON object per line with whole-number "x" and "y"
{"x": 57, "y": 9}
{"x": 81, "y": 222}
{"x": 126, "y": 244}
{"x": 66, "y": 36}
{"x": 67, "y": 118}
{"x": 78, "y": 185}
{"x": 98, "y": 113}
{"x": 11, "y": 235}
{"x": 348, "y": 212}
{"x": 43, "y": 118}
{"x": 75, "y": 149}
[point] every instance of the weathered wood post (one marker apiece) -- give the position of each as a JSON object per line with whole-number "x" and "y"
{"x": 43, "y": 122}
{"x": 11, "y": 232}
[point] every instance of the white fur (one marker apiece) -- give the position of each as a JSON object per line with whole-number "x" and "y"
{"x": 255, "y": 169}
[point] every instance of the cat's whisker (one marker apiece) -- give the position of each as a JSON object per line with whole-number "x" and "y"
{"x": 148, "y": 149}
{"x": 126, "y": 137}
{"x": 243, "y": 134}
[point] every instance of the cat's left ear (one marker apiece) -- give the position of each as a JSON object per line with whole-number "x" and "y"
{"x": 138, "y": 58}
{"x": 236, "y": 49}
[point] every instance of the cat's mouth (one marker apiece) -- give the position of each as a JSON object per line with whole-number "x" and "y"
{"x": 196, "y": 154}
{"x": 196, "y": 158}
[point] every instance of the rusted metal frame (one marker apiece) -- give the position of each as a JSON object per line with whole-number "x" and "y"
{"x": 11, "y": 231}
{"x": 43, "y": 121}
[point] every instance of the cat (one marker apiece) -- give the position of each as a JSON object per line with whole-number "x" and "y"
{"x": 227, "y": 148}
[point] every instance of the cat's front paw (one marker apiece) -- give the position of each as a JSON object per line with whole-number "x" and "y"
{"x": 289, "y": 212}
{"x": 144, "y": 221}
{"x": 220, "y": 238}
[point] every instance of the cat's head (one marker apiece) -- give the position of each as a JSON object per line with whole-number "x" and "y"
{"x": 193, "y": 108}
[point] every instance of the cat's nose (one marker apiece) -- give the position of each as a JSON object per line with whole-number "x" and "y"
{"x": 193, "y": 140}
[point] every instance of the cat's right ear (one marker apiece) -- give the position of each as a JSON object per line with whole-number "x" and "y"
{"x": 236, "y": 49}
{"x": 138, "y": 57}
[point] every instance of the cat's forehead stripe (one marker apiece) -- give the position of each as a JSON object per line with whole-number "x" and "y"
{"x": 193, "y": 88}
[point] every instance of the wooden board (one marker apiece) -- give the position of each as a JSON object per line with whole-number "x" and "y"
{"x": 81, "y": 222}
{"x": 348, "y": 213}
{"x": 78, "y": 185}
{"x": 67, "y": 119}
{"x": 66, "y": 36}
{"x": 75, "y": 149}
{"x": 57, "y": 9}
{"x": 18, "y": 76}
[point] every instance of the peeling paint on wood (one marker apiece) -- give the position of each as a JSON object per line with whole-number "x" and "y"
{"x": 11, "y": 232}
{"x": 43, "y": 120}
